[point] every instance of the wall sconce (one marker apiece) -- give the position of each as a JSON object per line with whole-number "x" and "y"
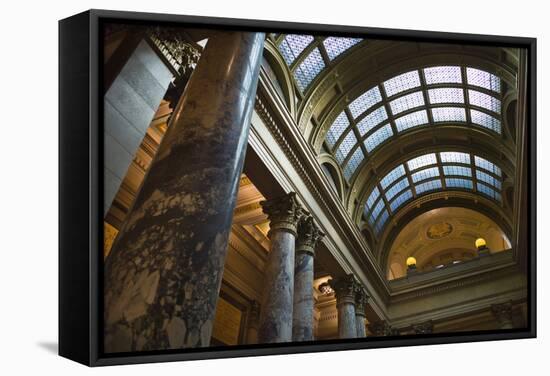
{"x": 482, "y": 249}
{"x": 411, "y": 265}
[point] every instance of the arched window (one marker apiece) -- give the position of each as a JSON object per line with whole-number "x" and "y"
{"x": 449, "y": 170}
{"x": 429, "y": 96}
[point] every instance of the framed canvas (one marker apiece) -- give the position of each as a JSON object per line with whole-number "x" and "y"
{"x": 241, "y": 187}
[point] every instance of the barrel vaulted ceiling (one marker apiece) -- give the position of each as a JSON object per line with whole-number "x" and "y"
{"x": 404, "y": 123}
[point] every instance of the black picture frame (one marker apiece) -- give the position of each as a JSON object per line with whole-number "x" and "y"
{"x": 80, "y": 196}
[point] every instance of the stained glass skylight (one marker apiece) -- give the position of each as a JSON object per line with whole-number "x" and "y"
{"x": 353, "y": 163}
{"x": 401, "y": 83}
{"x": 345, "y": 146}
{"x": 336, "y": 46}
{"x": 372, "y": 120}
{"x": 293, "y": 45}
{"x": 338, "y": 127}
{"x": 378, "y": 137}
{"x": 429, "y": 173}
{"x": 449, "y": 114}
{"x": 478, "y": 77}
{"x": 411, "y": 120}
{"x": 437, "y": 96}
{"x": 443, "y": 75}
{"x": 365, "y": 101}
{"x": 308, "y": 69}
{"x": 407, "y": 102}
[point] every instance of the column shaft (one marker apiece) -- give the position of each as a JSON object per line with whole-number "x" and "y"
{"x": 277, "y": 302}
{"x": 163, "y": 275}
{"x": 344, "y": 289}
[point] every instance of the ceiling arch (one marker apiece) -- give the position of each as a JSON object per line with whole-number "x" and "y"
{"x": 447, "y": 170}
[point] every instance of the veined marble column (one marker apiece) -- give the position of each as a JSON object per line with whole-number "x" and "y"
{"x": 361, "y": 299}
{"x": 276, "y": 313}
{"x": 163, "y": 276}
{"x": 302, "y": 317}
{"x": 253, "y": 324}
{"x": 503, "y": 313}
{"x": 345, "y": 289}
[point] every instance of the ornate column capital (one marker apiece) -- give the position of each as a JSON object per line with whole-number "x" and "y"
{"x": 380, "y": 328}
{"x": 423, "y": 328}
{"x": 283, "y": 212}
{"x": 361, "y": 298}
{"x": 308, "y": 235}
{"x": 503, "y": 313}
{"x": 344, "y": 289}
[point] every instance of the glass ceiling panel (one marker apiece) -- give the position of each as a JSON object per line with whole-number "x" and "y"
{"x": 455, "y": 157}
{"x": 445, "y": 74}
{"x": 423, "y": 160}
{"x": 485, "y": 120}
{"x": 338, "y": 127}
{"x": 446, "y": 114}
{"x": 293, "y": 45}
{"x": 428, "y": 186}
{"x": 401, "y": 83}
{"x": 373, "y": 197}
{"x": 372, "y": 120}
{"x": 377, "y": 209}
{"x": 407, "y": 102}
{"x": 458, "y": 183}
{"x": 344, "y": 148}
{"x": 426, "y": 178}
{"x": 446, "y": 95}
{"x": 477, "y": 77}
{"x": 486, "y": 165}
{"x": 353, "y": 163}
{"x": 382, "y": 221}
{"x": 308, "y": 69}
{"x": 365, "y": 101}
{"x": 336, "y": 46}
{"x": 396, "y": 188}
{"x": 401, "y": 199}
{"x": 457, "y": 171}
{"x": 427, "y": 173}
{"x": 486, "y": 178}
{"x": 411, "y": 120}
{"x": 378, "y": 137}
{"x": 488, "y": 191}
{"x": 392, "y": 176}
{"x": 484, "y": 100}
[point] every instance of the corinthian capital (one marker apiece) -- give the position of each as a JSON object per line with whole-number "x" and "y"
{"x": 283, "y": 212}
{"x": 423, "y": 328}
{"x": 361, "y": 298}
{"x": 345, "y": 289}
{"x": 380, "y": 328}
{"x": 308, "y": 235}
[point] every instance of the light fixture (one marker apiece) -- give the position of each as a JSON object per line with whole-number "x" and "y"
{"x": 411, "y": 262}
{"x": 482, "y": 249}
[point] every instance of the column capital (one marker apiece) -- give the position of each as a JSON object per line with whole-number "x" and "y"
{"x": 361, "y": 298}
{"x": 344, "y": 289}
{"x": 423, "y": 328}
{"x": 380, "y": 328}
{"x": 503, "y": 312}
{"x": 308, "y": 235}
{"x": 283, "y": 212}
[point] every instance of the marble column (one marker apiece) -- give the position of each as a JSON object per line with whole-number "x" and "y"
{"x": 503, "y": 314}
{"x": 345, "y": 289}
{"x": 253, "y": 323}
{"x": 277, "y": 302}
{"x": 163, "y": 275}
{"x": 302, "y": 317}
{"x": 361, "y": 299}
